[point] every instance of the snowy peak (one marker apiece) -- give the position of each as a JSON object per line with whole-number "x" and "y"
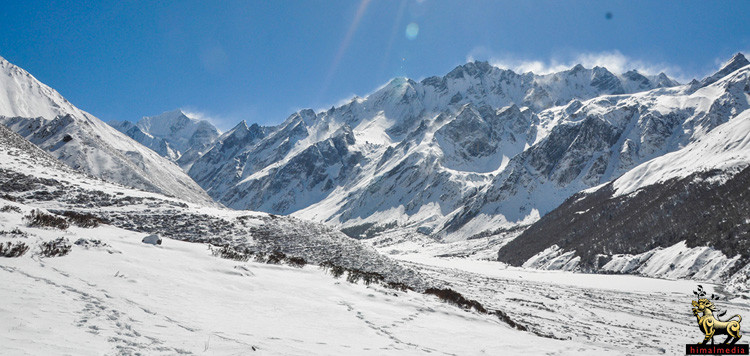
{"x": 736, "y": 62}
{"x": 167, "y": 123}
{"x": 436, "y": 141}
{"x": 22, "y": 95}
{"x": 173, "y": 135}
{"x": 81, "y": 141}
{"x": 472, "y": 69}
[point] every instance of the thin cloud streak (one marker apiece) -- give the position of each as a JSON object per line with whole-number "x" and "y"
{"x": 344, "y": 45}
{"x": 614, "y": 61}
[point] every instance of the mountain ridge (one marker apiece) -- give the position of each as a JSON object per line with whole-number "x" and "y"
{"x": 84, "y": 142}
{"x": 386, "y": 127}
{"x": 173, "y": 135}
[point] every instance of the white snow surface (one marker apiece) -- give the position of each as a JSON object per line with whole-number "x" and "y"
{"x": 725, "y": 148}
{"x": 411, "y": 153}
{"x": 113, "y": 294}
{"x": 84, "y": 142}
{"x": 463, "y": 154}
{"x": 129, "y": 297}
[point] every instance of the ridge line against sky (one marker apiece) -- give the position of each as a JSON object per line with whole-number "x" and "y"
{"x": 229, "y": 61}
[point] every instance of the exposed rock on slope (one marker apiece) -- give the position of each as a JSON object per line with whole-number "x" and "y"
{"x": 31, "y": 176}
{"x": 84, "y": 142}
{"x": 173, "y": 135}
{"x": 410, "y": 155}
{"x": 684, "y": 214}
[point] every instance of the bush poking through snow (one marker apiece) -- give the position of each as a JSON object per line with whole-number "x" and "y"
{"x": 13, "y": 249}
{"x": 38, "y": 218}
{"x": 56, "y": 248}
{"x": 243, "y": 254}
{"x": 8, "y": 197}
{"x": 355, "y": 275}
{"x": 398, "y": 286}
{"x": 335, "y": 270}
{"x": 88, "y": 243}
{"x": 85, "y": 220}
{"x": 10, "y": 208}
{"x": 297, "y": 262}
{"x": 16, "y": 232}
{"x": 452, "y": 297}
{"x": 505, "y": 318}
{"x": 231, "y": 253}
{"x": 276, "y": 258}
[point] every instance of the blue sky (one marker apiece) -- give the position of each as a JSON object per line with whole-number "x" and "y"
{"x": 262, "y": 60}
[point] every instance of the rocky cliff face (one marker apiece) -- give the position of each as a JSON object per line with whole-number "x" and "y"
{"x": 416, "y": 154}
{"x": 681, "y": 214}
{"x": 173, "y": 135}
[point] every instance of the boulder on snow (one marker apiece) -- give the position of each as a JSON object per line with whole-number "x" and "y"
{"x": 152, "y": 239}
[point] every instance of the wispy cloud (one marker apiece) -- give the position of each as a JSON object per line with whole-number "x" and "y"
{"x": 223, "y": 122}
{"x": 612, "y": 60}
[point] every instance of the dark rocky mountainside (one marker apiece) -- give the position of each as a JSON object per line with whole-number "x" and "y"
{"x": 597, "y": 226}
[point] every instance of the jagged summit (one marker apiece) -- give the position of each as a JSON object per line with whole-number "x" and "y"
{"x": 411, "y": 151}
{"x": 577, "y": 68}
{"x": 472, "y": 69}
{"x": 736, "y": 62}
{"x": 172, "y": 134}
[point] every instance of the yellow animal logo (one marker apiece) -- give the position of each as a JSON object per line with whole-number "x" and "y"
{"x": 710, "y": 325}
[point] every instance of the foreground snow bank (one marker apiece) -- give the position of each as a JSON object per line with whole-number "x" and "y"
{"x": 122, "y": 296}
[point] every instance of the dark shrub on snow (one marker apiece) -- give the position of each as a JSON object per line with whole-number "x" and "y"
{"x": 450, "y": 296}
{"x": 298, "y": 262}
{"x": 38, "y": 218}
{"x": 85, "y": 220}
{"x": 13, "y": 249}
{"x": 236, "y": 253}
{"x": 56, "y": 248}
{"x": 10, "y": 208}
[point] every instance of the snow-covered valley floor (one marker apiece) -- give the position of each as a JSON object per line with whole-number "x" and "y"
{"x": 631, "y": 314}
{"x": 177, "y": 298}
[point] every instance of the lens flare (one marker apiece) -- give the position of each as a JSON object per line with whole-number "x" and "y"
{"x": 412, "y": 30}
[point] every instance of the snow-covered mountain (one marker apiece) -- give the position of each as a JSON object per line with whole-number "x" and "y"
{"x": 33, "y": 177}
{"x": 173, "y": 135}
{"x": 84, "y": 282}
{"x": 688, "y": 226}
{"x": 590, "y": 143}
{"x": 411, "y": 154}
{"x": 80, "y": 140}
{"x": 681, "y": 214}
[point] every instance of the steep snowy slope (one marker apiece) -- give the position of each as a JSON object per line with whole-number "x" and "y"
{"x": 84, "y": 283}
{"x": 173, "y": 135}
{"x": 596, "y": 141}
{"x": 409, "y": 155}
{"x": 113, "y": 294}
{"x": 84, "y": 142}
{"x": 31, "y": 176}
{"x": 684, "y": 214}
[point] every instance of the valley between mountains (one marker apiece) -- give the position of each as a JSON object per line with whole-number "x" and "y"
{"x": 480, "y": 212}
